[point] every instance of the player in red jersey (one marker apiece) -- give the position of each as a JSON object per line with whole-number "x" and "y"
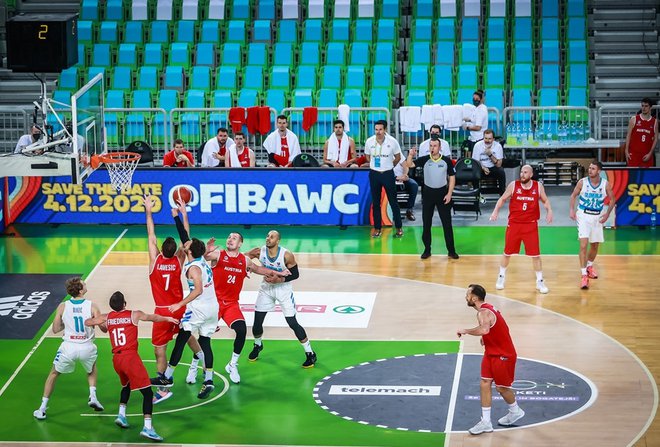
{"x": 230, "y": 268}
{"x": 121, "y": 324}
{"x": 499, "y": 361}
{"x": 239, "y": 155}
{"x": 165, "y": 267}
{"x": 642, "y": 137}
{"x": 524, "y": 214}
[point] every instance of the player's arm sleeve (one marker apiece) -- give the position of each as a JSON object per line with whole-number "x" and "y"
{"x": 295, "y": 274}
{"x": 183, "y": 234}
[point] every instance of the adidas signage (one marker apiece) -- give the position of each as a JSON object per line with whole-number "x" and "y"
{"x": 19, "y": 307}
{"x": 27, "y": 301}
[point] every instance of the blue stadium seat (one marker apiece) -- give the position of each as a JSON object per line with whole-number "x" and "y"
{"x": 355, "y": 77}
{"x": 287, "y": 31}
{"x": 174, "y": 78}
{"x": 114, "y": 99}
{"x": 310, "y": 54}
{"x": 68, "y": 79}
{"x": 390, "y": 9}
{"x": 300, "y": 98}
{"x": 387, "y": 30}
{"x": 520, "y": 97}
{"x": 101, "y": 56}
{"x": 496, "y": 29}
{"x": 494, "y": 76}
{"x": 339, "y": 30}
{"x": 577, "y": 51}
{"x": 135, "y": 127}
{"x": 276, "y": 99}
{"x": 147, "y": 78}
{"x": 226, "y": 78}
{"x": 548, "y": 97}
{"x": 313, "y": 30}
{"x": 205, "y": 54}
{"x": 577, "y": 76}
{"x": 159, "y": 32}
{"x": 466, "y": 76}
{"x": 441, "y": 96}
{"x": 360, "y": 53}
{"x": 179, "y": 54}
{"x": 522, "y": 29}
{"x": 422, "y": 30}
{"x": 382, "y": 78}
{"x": 82, "y": 55}
{"x": 415, "y": 97}
{"x": 550, "y": 9}
{"x": 133, "y": 32}
{"x": 93, "y": 71}
{"x": 89, "y": 10}
{"x": 522, "y": 76}
{"x": 576, "y": 29}
{"x": 446, "y": 29}
{"x": 280, "y": 78}
{"x": 423, "y": 8}
{"x": 420, "y": 53}
{"x": 236, "y": 31}
{"x": 232, "y": 54}
{"x": 190, "y": 129}
{"x": 496, "y": 52}
{"x": 377, "y": 98}
{"x": 353, "y": 98}
{"x": 418, "y": 77}
{"x": 283, "y": 54}
{"x": 576, "y": 97}
{"x": 550, "y": 51}
{"x": 168, "y": 100}
{"x": 470, "y": 29}
{"x": 253, "y": 77}
{"x": 153, "y": 54}
{"x": 185, "y": 31}
{"x": 122, "y": 78}
{"x": 257, "y": 54}
{"x": 266, "y": 9}
{"x": 522, "y": 52}
{"x": 262, "y": 31}
{"x": 495, "y": 98}
{"x": 335, "y": 53}
{"x": 306, "y": 77}
{"x": 220, "y": 99}
{"x": 200, "y": 78}
{"x": 241, "y": 10}
{"x": 210, "y": 31}
{"x": 550, "y": 28}
{"x": 127, "y": 55}
{"x": 108, "y": 32}
{"x": 85, "y": 31}
{"x": 326, "y": 98}
{"x": 248, "y": 97}
{"x": 469, "y": 52}
{"x": 575, "y": 8}
{"x": 384, "y": 53}
{"x": 464, "y": 95}
{"x": 444, "y": 53}
{"x": 331, "y": 77}
{"x": 114, "y": 10}
{"x": 443, "y": 76}
{"x": 364, "y": 30}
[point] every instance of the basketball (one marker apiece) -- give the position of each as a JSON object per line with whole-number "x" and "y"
{"x": 183, "y": 194}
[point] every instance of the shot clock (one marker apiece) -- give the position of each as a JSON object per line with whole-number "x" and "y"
{"x": 42, "y": 43}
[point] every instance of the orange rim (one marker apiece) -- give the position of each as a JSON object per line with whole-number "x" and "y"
{"x": 117, "y": 157}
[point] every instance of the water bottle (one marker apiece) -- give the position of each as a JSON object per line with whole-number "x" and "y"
{"x": 572, "y": 134}
{"x": 562, "y": 134}
{"x": 509, "y": 134}
{"x": 586, "y": 131}
{"x": 579, "y": 131}
{"x": 653, "y": 219}
{"x": 523, "y": 133}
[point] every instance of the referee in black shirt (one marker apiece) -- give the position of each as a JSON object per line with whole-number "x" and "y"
{"x": 439, "y": 184}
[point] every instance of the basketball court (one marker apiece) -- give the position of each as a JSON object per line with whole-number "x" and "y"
{"x": 391, "y": 371}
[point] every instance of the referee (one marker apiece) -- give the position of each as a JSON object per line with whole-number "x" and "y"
{"x": 439, "y": 184}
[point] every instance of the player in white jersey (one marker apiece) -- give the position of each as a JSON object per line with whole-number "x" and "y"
{"x": 277, "y": 289}
{"x": 201, "y": 313}
{"x": 77, "y": 343}
{"x": 592, "y": 191}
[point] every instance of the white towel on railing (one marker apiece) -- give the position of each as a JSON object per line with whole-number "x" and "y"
{"x": 338, "y": 151}
{"x": 453, "y": 117}
{"x": 468, "y": 110}
{"x": 432, "y": 114}
{"x": 409, "y": 118}
{"x": 343, "y": 113}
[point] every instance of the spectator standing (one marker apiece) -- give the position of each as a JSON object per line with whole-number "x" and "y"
{"x": 178, "y": 157}
{"x": 478, "y": 122}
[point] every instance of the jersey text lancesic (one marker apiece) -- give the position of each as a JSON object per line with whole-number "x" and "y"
{"x": 165, "y": 279}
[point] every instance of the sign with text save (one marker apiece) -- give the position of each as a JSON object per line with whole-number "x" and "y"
{"x": 227, "y": 196}
{"x": 637, "y": 193}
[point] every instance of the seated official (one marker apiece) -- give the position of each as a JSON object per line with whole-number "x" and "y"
{"x": 490, "y": 154}
{"x": 339, "y": 148}
{"x": 239, "y": 155}
{"x": 282, "y": 145}
{"x": 28, "y": 139}
{"x": 215, "y": 150}
{"x": 445, "y": 150}
{"x": 178, "y": 157}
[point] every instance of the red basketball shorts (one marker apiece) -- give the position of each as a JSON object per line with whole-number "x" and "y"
{"x": 230, "y": 311}
{"x": 526, "y": 233}
{"x": 131, "y": 370}
{"x": 500, "y": 369}
{"x": 163, "y": 332}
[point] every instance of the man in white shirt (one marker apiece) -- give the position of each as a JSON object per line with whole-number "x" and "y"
{"x": 445, "y": 150}
{"x": 383, "y": 153}
{"x": 478, "y": 122}
{"x": 215, "y": 150}
{"x": 239, "y": 155}
{"x": 282, "y": 145}
{"x": 490, "y": 154}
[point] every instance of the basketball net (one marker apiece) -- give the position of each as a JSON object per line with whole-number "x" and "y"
{"x": 120, "y": 165}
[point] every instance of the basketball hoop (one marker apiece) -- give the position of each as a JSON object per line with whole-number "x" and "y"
{"x": 120, "y": 165}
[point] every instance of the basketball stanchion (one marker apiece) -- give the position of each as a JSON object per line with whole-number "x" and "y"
{"x": 120, "y": 166}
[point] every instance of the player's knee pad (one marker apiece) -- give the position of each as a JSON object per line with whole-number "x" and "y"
{"x": 297, "y": 328}
{"x": 148, "y": 400}
{"x": 241, "y": 333}
{"x": 257, "y": 326}
{"x": 125, "y": 394}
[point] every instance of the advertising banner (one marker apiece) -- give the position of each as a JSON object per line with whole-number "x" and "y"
{"x": 219, "y": 196}
{"x": 637, "y": 193}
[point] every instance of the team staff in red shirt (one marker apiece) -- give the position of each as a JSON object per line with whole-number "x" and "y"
{"x": 499, "y": 361}
{"x": 642, "y": 137}
{"x": 122, "y": 325}
{"x": 524, "y": 213}
{"x": 178, "y": 157}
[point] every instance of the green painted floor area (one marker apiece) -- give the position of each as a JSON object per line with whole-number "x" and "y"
{"x": 273, "y": 405}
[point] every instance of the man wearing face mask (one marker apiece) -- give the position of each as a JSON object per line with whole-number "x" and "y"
{"x": 478, "y": 122}
{"x": 489, "y": 153}
{"x": 445, "y": 150}
{"x": 28, "y": 139}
